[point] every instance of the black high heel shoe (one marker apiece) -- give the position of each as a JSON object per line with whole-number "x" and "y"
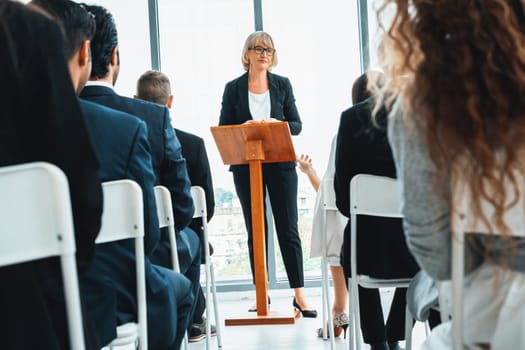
{"x": 305, "y": 313}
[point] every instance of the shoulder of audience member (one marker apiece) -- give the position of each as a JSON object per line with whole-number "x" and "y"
{"x": 101, "y": 110}
{"x": 181, "y": 133}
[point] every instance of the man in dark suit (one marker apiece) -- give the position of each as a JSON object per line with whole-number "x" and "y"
{"x": 42, "y": 121}
{"x": 121, "y": 144}
{"x": 168, "y": 164}
{"x": 362, "y": 148}
{"x": 154, "y": 86}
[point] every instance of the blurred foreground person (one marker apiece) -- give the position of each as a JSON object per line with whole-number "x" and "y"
{"x": 457, "y": 131}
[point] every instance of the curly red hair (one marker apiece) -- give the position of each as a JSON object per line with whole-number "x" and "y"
{"x": 459, "y": 68}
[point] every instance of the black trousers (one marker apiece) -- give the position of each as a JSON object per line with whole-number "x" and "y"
{"x": 373, "y": 325}
{"x": 281, "y": 183}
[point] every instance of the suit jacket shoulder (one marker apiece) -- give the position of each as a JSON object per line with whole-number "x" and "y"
{"x": 168, "y": 163}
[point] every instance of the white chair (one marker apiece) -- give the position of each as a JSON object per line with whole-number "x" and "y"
{"x": 37, "y": 222}
{"x": 123, "y": 218}
{"x": 464, "y": 222}
{"x": 199, "y": 201}
{"x": 375, "y": 196}
{"x": 166, "y": 219}
{"x": 328, "y": 204}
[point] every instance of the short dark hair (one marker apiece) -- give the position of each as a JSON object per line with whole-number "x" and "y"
{"x": 154, "y": 86}
{"x": 104, "y": 41}
{"x": 77, "y": 23}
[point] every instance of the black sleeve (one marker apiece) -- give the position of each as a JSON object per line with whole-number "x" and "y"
{"x": 66, "y": 142}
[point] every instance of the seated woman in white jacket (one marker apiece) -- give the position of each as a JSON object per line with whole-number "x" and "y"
{"x": 457, "y": 73}
{"x": 335, "y": 226}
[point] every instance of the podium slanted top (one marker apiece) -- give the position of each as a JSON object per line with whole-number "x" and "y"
{"x": 276, "y": 141}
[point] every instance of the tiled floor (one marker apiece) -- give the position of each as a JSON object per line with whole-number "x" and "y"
{"x": 301, "y": 335}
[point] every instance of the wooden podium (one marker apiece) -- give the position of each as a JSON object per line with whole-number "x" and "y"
{"x": 254, "y": 144}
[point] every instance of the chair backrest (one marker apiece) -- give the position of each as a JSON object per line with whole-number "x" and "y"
{"x": 375, "y": 195}
{"x": 37, "y": 222}
{"x": 123, "y": 218}
{"x": 463, "y": 222}
{"x": 166, "y": 219}
{"x": 371, "y": 195}
{"x": 199, "y": 202}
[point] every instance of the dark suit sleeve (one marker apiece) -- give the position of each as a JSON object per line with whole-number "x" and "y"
{"x": 362, "y": 148}
{"x": 343, "y": 172}
{"x": 228, "y": 115}
{"x": 290, "y": 109}
{"x": 174, "y": 175}
{"x": 202, "y": 177}
{"x": 67, "y": 145}
{"x": 140, "y": 169}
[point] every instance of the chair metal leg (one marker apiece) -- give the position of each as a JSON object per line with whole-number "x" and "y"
{"x": 328, "y": 322}
{"x": 351, "y": 339}
{"x": 408, "y": 329}
{"x": 216, "y": 307}
{"x": 324, "y": 294}
{"x": 185, "y": 341}
{"x": 357, "y": 317}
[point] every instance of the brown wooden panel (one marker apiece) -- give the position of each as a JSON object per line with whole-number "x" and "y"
{"x": 275, "y": 137}
{"x": 250, "y": 319}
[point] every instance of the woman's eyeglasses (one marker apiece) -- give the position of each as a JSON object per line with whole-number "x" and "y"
{"x": 259, "y": 50}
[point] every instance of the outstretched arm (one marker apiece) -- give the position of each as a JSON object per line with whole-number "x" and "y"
{"x": 305, "y": 165}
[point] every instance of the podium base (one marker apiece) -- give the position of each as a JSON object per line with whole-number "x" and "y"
{"x": 273, "y": 317}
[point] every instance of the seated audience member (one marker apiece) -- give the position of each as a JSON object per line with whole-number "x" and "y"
{"x": 154, "y": 86}
{"x": 362, "y": 148}
{"x": 457, "y": 132}
{"x": 335, "y": 224}
{"x": 168, "y": 164}
{"x": 49, "y": 128}
{"x": 121, "y": 144}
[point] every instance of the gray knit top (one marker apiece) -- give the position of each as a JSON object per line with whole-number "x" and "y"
{"x": 426, "y": 214}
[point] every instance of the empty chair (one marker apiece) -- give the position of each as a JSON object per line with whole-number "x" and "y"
{"x": 375, "y": 196}
{"x": 123, "y": 218}
{"x": 37, "y": 223}
{"x": 167, "y": 219}
{"x": 199, "y": 201}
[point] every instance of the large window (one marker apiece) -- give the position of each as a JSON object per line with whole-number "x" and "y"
{"x": 201, "y": 43}
{"x": 131, "y": 18}
{"x": 375, "y": 32}
{"x": 318, "y": 46}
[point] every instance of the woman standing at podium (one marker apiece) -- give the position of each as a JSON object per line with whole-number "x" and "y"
{"x": 259, "y": 96}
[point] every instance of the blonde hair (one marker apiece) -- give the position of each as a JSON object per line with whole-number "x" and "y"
{"x": 254, "y": 39}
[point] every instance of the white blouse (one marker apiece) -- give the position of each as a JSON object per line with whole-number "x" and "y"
{"x": 260, "y": 106}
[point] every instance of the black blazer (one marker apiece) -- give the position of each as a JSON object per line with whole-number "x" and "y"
{"x": 363, "y": 148}
{"x": 41, "y": 121}
{"x": 121, "y": 145}
{"x": 168, "y": 163}
{"x": 235, "y": 106}
{"x": 194, "y": 150}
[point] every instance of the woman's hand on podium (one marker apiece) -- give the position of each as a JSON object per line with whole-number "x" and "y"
{"x": 269, "y": 120}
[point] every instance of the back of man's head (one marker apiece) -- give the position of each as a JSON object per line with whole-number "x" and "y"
{"x": 104, "y": 41}
{"x": 154, "y": 86}
{"x": 77, "y": 23}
